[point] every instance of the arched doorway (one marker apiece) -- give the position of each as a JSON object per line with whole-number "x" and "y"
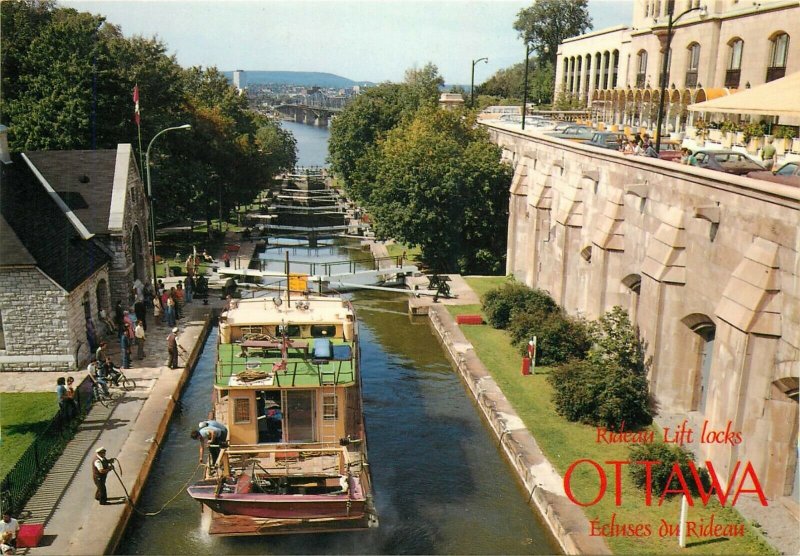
{"x": 705, "y": 331}
{"x": 137, "y": 254}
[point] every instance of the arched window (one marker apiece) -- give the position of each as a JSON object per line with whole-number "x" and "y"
{"x": 778, "y": 56}
{"x": 693, "y": 65}
{"x": 606, "y": 69}
{"x": 734, "y": 72}
{"x": 588, "y": 73}
{"x": 633, "y": 285}
{"x": 614, "y": 68}
{"x": 641, "y": 69}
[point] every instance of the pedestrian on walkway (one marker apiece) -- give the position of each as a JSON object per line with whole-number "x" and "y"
{"x": 157, "y": 312}
{"x": 9, "y": 526}
{"x": 169, "y": 312}
{"x": 180, "y": 299}
{"x": 61, "y": 396}
{"x": 226, "y": 259}
{"x": 189, "y": 284}
{"x": 125, "y": 348}
{"x": 100, "y": 470}
{"x": 172, "y": 348}
{"x": 140, "y": 338}
{"x": 71, "y": 399}
{"x": 140, "y": 310}
{"x": 119, "y": 318}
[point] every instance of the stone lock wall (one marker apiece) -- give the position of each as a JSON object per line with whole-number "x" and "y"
{"x": 684, "y": 250}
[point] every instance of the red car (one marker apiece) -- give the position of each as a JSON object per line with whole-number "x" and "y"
{"x": 670, "y": 151}
{"x": 788, "y": 174}
{"x": 730, "y": 162}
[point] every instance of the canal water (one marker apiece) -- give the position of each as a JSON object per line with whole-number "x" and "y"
{"x": 441, "y": 484}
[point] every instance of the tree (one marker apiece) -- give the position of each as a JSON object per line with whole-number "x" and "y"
{"x": 440, "y": 184}
{"x": 547, "y": 23}
{"x": 508, "y": 83}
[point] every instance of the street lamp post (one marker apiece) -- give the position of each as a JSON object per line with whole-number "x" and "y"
{"x": 525, "y": 84}
{"x": 472, "y": 81}
{"x": 546, "y": 50}
{"x": 665, "y": 67}
{"x": 150, "y": 192}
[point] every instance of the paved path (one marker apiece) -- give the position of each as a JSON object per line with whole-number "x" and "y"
{"x": 74, "y": 522}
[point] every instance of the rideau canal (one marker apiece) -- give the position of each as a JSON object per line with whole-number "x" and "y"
{"x": 441, "y": 483}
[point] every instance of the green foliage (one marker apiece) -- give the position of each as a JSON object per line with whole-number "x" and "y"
{"x": 567, "y": 101}
{"x": 67, "y": 83}
{"x": 439, "y": 184}
{"x": 547, "y": 23}
{"x": 668, "y": 455}
{"x": 508, "y": 83}
{"x": 754, "y": 129}
{"x": 610, "y": 386}
{"x": 559, "y": 337}
{"x": 785, "y": 132}
{"x": 500, "y": 303}
{"x": 729, "y": 126}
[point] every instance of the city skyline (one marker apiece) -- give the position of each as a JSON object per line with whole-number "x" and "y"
{"x": 363, "y": 40}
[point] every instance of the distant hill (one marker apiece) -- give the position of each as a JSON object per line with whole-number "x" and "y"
{"x": 302, "y": 78}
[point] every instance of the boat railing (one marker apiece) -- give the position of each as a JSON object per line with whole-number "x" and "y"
{"x": 286, "y": 461}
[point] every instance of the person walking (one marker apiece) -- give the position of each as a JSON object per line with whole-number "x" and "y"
{"x": 769, "y": 155}
{"x": 170, "y": 312}
{"x": 157, "y": 310}
{"x": 119, "y": 318}
{"x": 140, "y": 338}
{"x": 125, "y": 348}
{"x": 180, "y": 299}
{"x": 100, "y": 469}
{"x": 189, "y": 288}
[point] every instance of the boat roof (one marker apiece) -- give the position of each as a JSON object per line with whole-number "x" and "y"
{"x": 267, "y": 310}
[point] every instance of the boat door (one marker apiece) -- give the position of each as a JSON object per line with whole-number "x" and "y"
{"x": 300, "y": 410}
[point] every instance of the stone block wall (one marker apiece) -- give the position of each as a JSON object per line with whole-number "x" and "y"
{"x": 34, "y": 310}
{"x": 686, "y": 251}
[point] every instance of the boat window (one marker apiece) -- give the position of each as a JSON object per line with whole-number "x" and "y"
{"x": 241, "y": 410}
{"x": 292, "y": 331}
{"x": 323, "y": 330}
{"x": 252, "y": 330}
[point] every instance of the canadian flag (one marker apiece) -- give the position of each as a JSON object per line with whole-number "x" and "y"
{"x": 136, "y": 104}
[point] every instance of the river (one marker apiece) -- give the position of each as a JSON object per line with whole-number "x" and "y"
{"x": 441, "y": 484}
{"x": 312, "y": 143}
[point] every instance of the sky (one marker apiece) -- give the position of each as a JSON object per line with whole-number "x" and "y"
{"x": 363, "y": 40}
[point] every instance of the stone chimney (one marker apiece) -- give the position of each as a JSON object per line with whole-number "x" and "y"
{"x": 5, "y": 154}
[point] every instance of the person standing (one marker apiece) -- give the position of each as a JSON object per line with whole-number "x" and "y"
{"x": 769, "y": 155}
{"x": 125, "y": 347}
{"x": 157, "y": 309}
{"x": 172, "y": 348}
{"x": 140, "y": 338}
{"x": 189, "y": 284}
{"x": 140, "y": 310}
{"x": 71, "y": 398}
{"x": 11, "y": 526}
{"x": 100, "y": 470}
{"x": 119, "y": 318}
{"x": 180, "y": 299}
{"x": 61, "y": 396}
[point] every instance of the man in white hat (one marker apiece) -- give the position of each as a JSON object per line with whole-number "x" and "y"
{"x": 100, "y": 470}
{"x": 173, "y": 347}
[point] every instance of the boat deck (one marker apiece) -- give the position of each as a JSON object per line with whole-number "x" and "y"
{"x": 264, "y": 361}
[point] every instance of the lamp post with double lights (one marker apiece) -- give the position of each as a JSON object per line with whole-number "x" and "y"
{"x": 150, "y": 192}
{"x": 472, "y": 81}
{"x": 665, "y": 66}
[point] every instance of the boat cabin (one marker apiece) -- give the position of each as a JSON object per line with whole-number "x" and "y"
{"x": 287, "y": 371}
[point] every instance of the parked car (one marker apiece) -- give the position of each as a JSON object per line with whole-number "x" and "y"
{"x": 574, "y": 132}
{"x": 670, "y": 150}
{"x": 607, "y": 140}
{"x": 731, "y": 162}
{"x": 788, "y": 174}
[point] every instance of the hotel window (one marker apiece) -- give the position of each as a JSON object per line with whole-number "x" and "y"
{"x": 641, "y": 69}
{"x": 241, "y": 410}
{"x": 614, "y": 68}
{"x": 779, "y": 53}
{"x": 694, "y": 63}
{"x": 734, "y": 72}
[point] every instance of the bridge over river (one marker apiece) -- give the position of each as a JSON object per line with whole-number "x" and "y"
{"x": 319, "y": 116}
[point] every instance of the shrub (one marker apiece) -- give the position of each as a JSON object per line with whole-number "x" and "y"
{"x": 559, "y": 337}
{"x": 500, "y": 303}
{"x": 610, "y": 386}
{"x": 668, "y": 455}
{"x": 601, "y": 395}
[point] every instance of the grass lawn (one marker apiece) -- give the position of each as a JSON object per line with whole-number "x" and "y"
{"x": 22, "y": 417}
{"x": 564, "y": 442}
{"x": 397, "y": 249}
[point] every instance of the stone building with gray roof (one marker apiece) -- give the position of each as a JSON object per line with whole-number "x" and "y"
{"x": 73, "y": 239}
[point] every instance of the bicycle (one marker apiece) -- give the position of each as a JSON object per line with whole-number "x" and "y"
{"x": 100, "y": 396}
{"x": 120, "y": 380}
